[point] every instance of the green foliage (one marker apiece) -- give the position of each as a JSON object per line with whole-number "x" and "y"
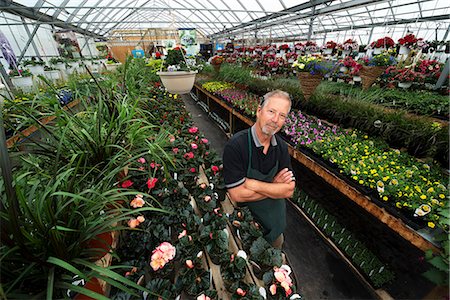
{"x": 264, "y": 254}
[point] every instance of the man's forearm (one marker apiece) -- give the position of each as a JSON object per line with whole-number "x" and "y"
{"x": 270, "y": 189}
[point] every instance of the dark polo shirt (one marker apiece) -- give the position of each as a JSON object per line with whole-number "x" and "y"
{"x": 235, "y": 157}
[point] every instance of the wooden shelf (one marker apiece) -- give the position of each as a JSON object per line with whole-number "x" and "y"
{"x": 30, "y": 130}
{"x": 363, "y": 201}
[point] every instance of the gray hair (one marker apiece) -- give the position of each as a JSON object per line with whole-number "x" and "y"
{"x": 276, "y": 93}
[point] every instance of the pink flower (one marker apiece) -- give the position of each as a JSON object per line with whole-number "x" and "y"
{"x": 241, "y": 292}
{"x": 152, "y": 182}
{"x": 175, "y": 150}
{"x": 194, "y": 146}
{"x": 152, "y": 165}
{"x": 203, "y": 186}
{"x": 193, "y": 130}
{"x": 273, "y": 289}
{"x": 127, "y": 183}
{"x": 204, "y": 141}
{"x": 193, "y": 170}
{"x": 286, "y": 287}
{"x": 207, "y": 198}
{"x": 203, "y": 297}
{"x": 137, "y": 202}
{"x": 141, "y": 160}
{"x": 183, "y": 233}
{"x": 189, "y": 155}
{"x": 216, "y": 210}
{"x": 215, "y": 169}
{"x": 141, "y": 219}
{"x": 189, "y": 264}
{"x": 172, "y": 139}
{"x": 168, "y": 250}
{"x": 133, "y": 223}
{"x": 157, "y": 260}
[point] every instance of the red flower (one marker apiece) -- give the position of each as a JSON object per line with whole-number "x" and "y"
{"x": 193, "y": 130}
{"x": 127, "y": 183}
{"x": 215, "y": 169}
{"x": 192, "y": 170}
{"x": 189, "y": 155}
{"x": 152, "y": 182}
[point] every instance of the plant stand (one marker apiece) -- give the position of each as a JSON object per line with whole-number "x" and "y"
{"x": 308, "y": 83}
{"x": 180, "y": 82}
{"x": 369, "y": 75}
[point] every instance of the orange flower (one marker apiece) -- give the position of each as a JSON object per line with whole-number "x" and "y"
{"x": 133, "y": 223}
{"x": 137, "y": 202}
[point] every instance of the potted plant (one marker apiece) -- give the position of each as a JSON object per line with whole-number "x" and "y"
{"x": 349, "y": 46}
{"x": 407, "y": 76}
{"x": 329, "y": 47}
{"x": 382, "y": 44}
{"x": 247, "y": 291}
{"x": 21, "y": 78}
{"x": 374, "y": 67}
{"x": 193, "y": 277}
{"x": 178, "y": 77}
{"x": 264, "y": 257}
{"x": 216, "y": 244}
{"x": 111, "y": 63}
{"x": 234, "y": 270}
{"x": 409, "y": 42}
{"x": 51, "y": 73}
{"x": 280, "y": 283}
{"x": 36, "y": 66}
{"x": 216, "y": 62}
{"x": 310, "y": 73}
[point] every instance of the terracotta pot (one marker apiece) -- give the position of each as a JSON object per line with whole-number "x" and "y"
{"x": 100, "y": 245}
{"x": 93, "y": 285}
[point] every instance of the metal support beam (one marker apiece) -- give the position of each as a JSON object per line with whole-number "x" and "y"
{"x": 30, "y": 40}
{"x": 30, "y": 13}
{"x": 443, "y": 76}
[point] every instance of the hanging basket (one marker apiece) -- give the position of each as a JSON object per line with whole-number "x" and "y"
{"x": 370, "y": 74}
{"x": 309, "y": 83}
{"x": 179, "y": 82}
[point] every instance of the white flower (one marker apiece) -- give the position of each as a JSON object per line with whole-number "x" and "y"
{"x": 287, "y": 268}
{"x": 295, "y": 296}
{"x": 262, "y": 292}
{"x": 241, "y": 253}
{"x": 200, "y": 254}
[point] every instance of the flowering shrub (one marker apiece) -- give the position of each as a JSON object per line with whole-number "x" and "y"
{"x": 164, "y": 253}
{"x": 408, "y": 75}
{"x": 351, "y": 64}
{"x": 349, "y": 45}
{"x": 217, "y": 60}
{"x": 410, "y": 41}
{"x": 430, "y": 69}
{"x": 312, "y": 64}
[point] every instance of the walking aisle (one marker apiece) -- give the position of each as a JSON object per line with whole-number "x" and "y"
{"x": 320, "y": 274}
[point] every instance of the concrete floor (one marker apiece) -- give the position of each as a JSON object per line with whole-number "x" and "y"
{"x": 319, "y": 273}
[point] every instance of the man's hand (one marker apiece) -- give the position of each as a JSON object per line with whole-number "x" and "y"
{"x": 284, "y": 176}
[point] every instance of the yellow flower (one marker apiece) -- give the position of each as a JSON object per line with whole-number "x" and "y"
{"x": 442, "y": 196}
{"x": 361, "y": 181}
{"x": 430, "y": 190}
{"x": 385, "y": 198}
{"x": 398, "y": 204}
{"x": 434, "y": 201}
{"x": 394, "y": 181}
{"x": 431, "y": 224}
{"x": 385, "y": 178}
{"x": 423, "y": 197}
{"x": 417, "y": 189}
{"x": 400, "y": 193}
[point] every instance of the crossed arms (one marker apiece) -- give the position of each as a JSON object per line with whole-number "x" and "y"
{"x": 282, "y": 186}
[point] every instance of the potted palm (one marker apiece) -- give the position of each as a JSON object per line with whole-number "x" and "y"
{"x": 178, "y": 76}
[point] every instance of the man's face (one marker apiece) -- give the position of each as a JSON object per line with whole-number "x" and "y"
{"x": 272, "y": 116}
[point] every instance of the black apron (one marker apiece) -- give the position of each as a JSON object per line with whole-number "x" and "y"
{"x": 270, "y": 213}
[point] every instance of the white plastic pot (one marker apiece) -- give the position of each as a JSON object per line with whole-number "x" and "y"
{"x": 112, "y": 67}
{"x": 180, "y": 82}
{"x": 52, "y": 75}
{"x": 404, "y": 50}
{"x": 404, "y": 85}
{"x": 36, "y": 70}
{"x": 24, "y": 83}
{"x": 327, "y": 51}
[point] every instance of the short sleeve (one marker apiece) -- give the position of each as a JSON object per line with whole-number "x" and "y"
{"x": 234, "y": 170}
{"x": 285, "y": 158}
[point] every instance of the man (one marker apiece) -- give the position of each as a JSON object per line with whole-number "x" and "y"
{"x": 257, "y": 167}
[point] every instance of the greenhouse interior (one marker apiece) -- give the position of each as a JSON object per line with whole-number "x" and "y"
{"x": 228, "y": 149}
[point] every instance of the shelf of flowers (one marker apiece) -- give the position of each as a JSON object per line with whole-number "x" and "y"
{"x": 412, "y": 191}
